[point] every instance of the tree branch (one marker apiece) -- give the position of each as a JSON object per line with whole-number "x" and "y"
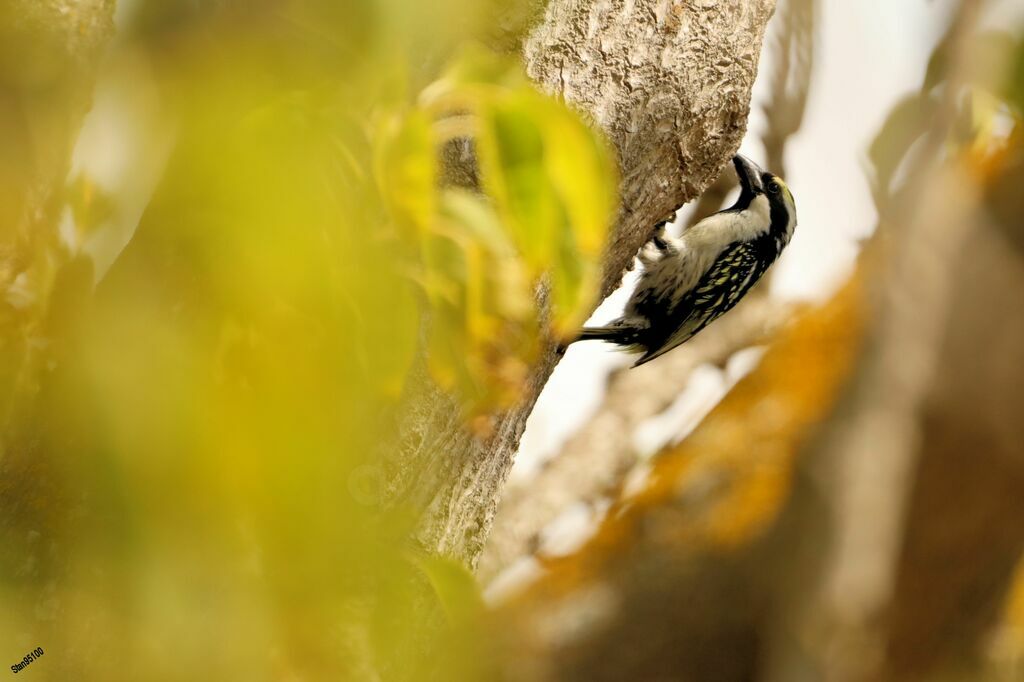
{"x": 593, "y": 463}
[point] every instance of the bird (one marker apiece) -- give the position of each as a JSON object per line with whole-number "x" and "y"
{"x": 690, "y": 281}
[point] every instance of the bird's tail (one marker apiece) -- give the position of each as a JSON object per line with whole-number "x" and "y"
{"x": 608, "y": 333}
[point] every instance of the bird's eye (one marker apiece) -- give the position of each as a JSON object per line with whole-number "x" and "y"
{"x": 773, "y": 187}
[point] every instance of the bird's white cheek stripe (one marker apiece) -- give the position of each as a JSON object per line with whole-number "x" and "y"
{"x": 757, "y": 218}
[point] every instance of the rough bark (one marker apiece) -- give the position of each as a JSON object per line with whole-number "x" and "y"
{"x": 669, "y": 83}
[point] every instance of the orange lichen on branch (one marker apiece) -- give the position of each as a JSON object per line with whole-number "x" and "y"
{"x": 744, "y": 451}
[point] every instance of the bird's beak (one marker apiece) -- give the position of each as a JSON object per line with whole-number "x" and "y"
{"x": 749, "y": 174}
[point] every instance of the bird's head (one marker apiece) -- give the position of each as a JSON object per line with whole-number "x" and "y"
{"x": 755, "y": 182}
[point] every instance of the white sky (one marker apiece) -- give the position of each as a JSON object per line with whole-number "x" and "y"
{"x": 869, "y": 53}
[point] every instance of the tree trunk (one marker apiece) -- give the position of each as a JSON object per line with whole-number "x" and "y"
{"x": 669, "y": 83}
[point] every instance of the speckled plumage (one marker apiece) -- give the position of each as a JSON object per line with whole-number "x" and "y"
{"x": 689, "y": 282}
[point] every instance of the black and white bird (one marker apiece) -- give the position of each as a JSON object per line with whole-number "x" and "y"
{"x": 689, "y": 282}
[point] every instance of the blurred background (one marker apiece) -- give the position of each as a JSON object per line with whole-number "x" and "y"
{"x": 219, "y": 260}
{"x": 891, "y": 524}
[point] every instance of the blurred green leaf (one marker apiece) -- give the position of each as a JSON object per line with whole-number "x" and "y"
{"x": 207, "y": 454}
{"x": 903, "y": 127}
{"x": 406, "y": 171}
{"x": 1016, "y": 80}
{"x": 986, "y": 68}
{"x": 456, "y": 588}
{"x": 90, "y": 205}
{"x": 511, "y": 149}
{"x": 553, "y": 183}
{"x": 548, "y": 198}
{"x": 484, "y": 324}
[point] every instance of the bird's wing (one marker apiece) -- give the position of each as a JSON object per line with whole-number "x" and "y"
{"x": 735, "y": 270}
{"x": 671, "y": 272}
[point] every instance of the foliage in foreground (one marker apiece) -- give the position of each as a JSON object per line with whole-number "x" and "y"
{"x": 190, "y": 446}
